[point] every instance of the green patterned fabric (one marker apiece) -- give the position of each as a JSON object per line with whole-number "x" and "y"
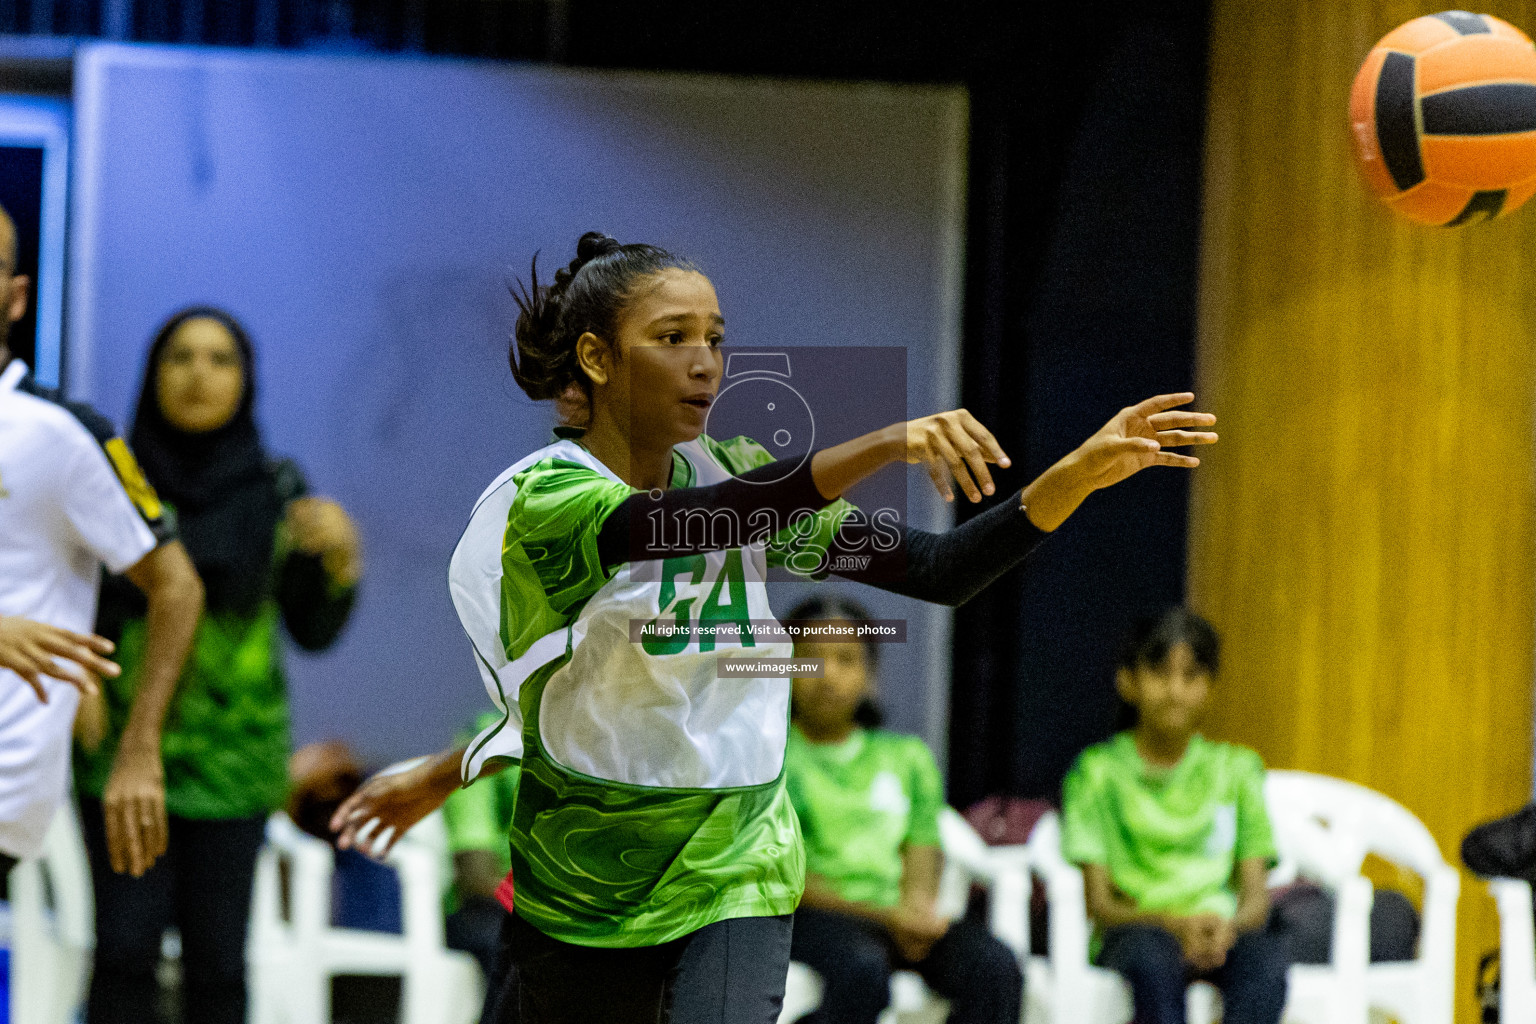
{"x": 225, "y": 740}
{"x": 862, "y": 802}
{"x": 1170, "y": 837}
{"x": 600, "y": 862}
{"x": 800, "y": 548}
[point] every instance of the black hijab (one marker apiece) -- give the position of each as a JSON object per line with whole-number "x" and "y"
{"x": 220, "y": 483}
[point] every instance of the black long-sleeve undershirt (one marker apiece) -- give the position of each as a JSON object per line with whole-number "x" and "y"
{"x": 946, "y": 568}
{"x": 743, "y": 510}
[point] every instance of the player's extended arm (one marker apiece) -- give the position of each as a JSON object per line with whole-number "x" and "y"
{"x": 630, "y": 533}
{"x": 954, "y": 566}
{"x": 1130, "y": 442}
{"x": 134, "y": 799}
{"x": 386, "y": 806}
{"x": 953, "y": 446}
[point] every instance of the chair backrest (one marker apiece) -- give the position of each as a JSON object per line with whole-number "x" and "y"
{"x": 1045, "y": 841}
{"x": 1331, "y": 825}
{"x": 964, "y": 859}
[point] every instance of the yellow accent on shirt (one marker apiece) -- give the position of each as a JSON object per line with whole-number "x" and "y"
{"x": 139, "y": 491}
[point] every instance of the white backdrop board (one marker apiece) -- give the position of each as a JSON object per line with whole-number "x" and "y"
{"x": 362, "y": 217}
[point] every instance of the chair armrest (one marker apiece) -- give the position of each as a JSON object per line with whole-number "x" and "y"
{"x": 1517, "y": 950}
{"x": 963, "y": 847}
{"x": 420, "y": 870}
{"x": 1437, "y": 940}
{"x": 312, "y": 864}
{"x": 1008, "y": 898}
{"x": 1068, "y": 967}
{"x": 1352, "y": 926}
{"x": 1069, "y": 928}
{"x": 1442, "y": 890}
{"x": 1517, "y": 930}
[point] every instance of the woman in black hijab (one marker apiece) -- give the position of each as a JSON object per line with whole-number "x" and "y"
{"x": 267, "y": 555}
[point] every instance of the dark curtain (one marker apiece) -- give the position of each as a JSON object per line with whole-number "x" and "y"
{"x": 1085, "y": 192}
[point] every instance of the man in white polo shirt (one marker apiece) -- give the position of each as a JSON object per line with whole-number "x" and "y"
{"x": 72, "y": 500}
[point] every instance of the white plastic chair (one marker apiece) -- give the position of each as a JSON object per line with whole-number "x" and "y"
{"x": 51, "y": 941}
{"x": 968, "y": 860}
{"x": 1517, "y": 951}
{"x": 1347, "y": 822}
{"x": 1066, "y": 988}
{"x": 293, "y": 959}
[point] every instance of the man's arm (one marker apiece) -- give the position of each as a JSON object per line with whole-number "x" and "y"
{"x": 134, "y": 799}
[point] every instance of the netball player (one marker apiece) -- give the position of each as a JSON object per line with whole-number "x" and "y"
{"x": 656, "y": 856}
{"x": 72, "y": 500}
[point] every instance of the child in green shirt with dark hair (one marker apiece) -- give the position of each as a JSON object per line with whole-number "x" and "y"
{"x": 1173, "y": 838}
{"x": 868, "y": 802}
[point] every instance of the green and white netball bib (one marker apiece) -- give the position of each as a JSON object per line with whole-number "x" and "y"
{"x": 651, "y": 801}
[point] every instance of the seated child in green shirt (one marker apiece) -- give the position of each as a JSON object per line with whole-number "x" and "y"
{"x": 868, "y": 802}
{"x": 1173, "y": 838}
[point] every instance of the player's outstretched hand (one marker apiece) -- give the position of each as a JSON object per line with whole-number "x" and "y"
{"x": 386, "y": 806}
{"x": 1139, "y": 436}
{"x": 34, "y": 649}
{"x": 955, "y": 446}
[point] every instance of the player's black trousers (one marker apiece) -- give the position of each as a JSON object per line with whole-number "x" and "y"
{"x": 730, "y": 972}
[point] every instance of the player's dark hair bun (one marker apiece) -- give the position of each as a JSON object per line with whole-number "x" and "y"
{"x": 594, "y": 244}
{"x": 586, "y": 295}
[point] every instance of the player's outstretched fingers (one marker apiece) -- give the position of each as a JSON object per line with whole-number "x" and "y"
{"x": 1150, "y": 407}
{"x": 1180, "y": 438}
{"x": 33, "y": 677}
{"x": 991, "y": 448}
{"x": 975, "y": 460}
{"x": 940, "y": 477}
{"x": 354, "y": 811}
{"x": 1181, "y": 418}
{"x": 957, "y": 466}
{"x": 1175, "y": 459}
{"x": 80, "y": 650}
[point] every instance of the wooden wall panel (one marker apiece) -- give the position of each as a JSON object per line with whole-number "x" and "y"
{"x": 1363, "y": 534}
